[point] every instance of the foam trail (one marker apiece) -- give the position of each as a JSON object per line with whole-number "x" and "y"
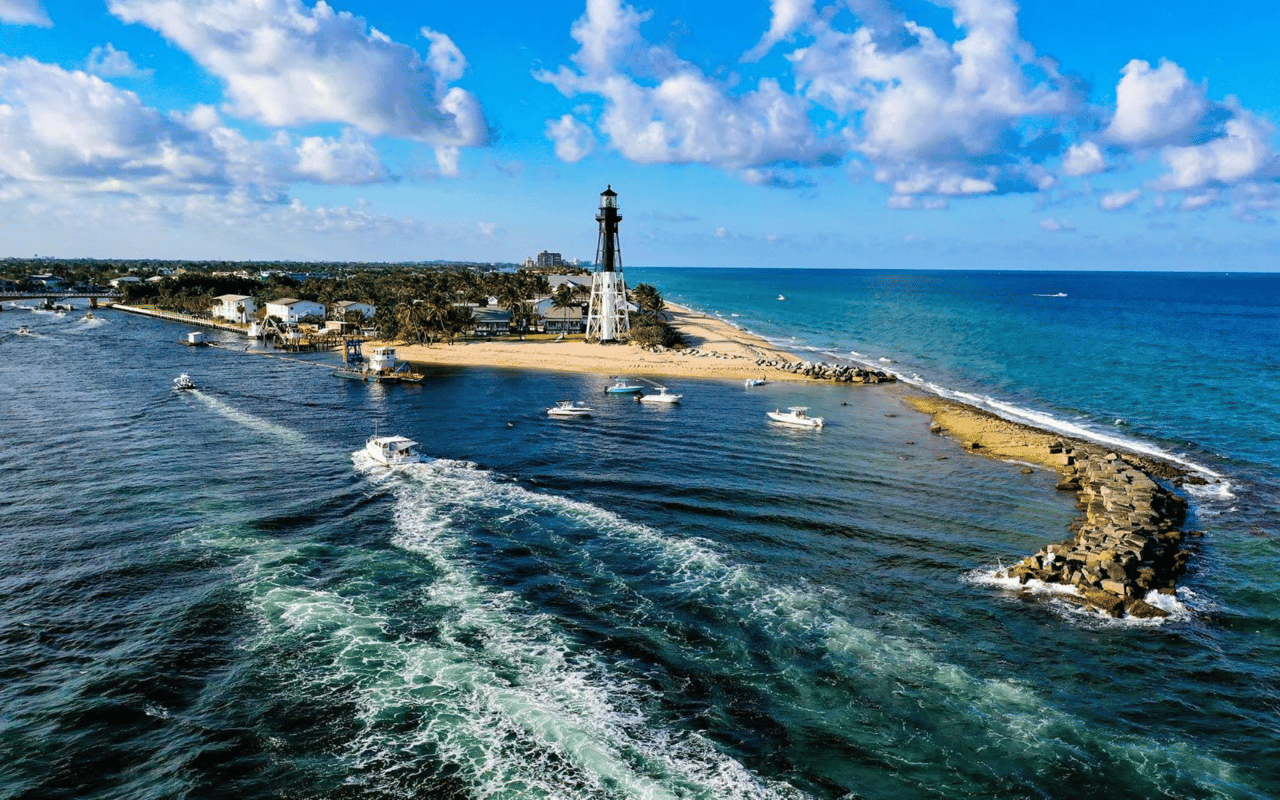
{"x": 246, "y": 419}
{"x": 997, "y": 714}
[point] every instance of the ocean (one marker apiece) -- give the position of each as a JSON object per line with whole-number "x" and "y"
{"x": 213, "y": 594}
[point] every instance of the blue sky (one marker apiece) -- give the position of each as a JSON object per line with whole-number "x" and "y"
{"x": 791, "y": 133}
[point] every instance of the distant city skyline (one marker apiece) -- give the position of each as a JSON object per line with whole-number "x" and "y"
{"x": 785, "y": 133}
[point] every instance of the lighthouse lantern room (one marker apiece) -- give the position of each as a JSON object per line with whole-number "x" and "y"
{"x": 607, "y": 319}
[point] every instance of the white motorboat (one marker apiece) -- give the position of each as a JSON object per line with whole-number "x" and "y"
{"x": 782, "y": 297}
{"x": 623, "y": 387}
{"x": 183, "y": 381}
{"x": 23, "y": 330}
{"x": 392, "y": 451}
{"x": 663, "y": 396}
{"x": 749, "y": 382}
{"x": 796, "y": 416}
{"x": 569, "y": 408}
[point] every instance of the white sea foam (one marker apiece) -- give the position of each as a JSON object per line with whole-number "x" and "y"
{"x": 526, "y": 709}
{"x": 998, "y": 578}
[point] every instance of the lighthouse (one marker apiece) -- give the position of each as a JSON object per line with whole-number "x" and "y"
{"x": 607, "y": 315}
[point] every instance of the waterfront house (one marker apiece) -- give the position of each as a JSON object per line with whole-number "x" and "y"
{"x": 235, "y": 307}
{"x": 491, "y": 322}
{"x": 291, "y": 309}
{"x": 341, "y": 309}
{"x": 50, "y": 283}
{"x": 117, "y": 283}
{"x": 572, "y": 319}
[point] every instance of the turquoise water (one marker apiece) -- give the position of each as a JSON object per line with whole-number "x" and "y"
{"x": 206, "y": 594}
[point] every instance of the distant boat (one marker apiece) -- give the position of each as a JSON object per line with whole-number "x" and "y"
{"x": 196, "y": 339}
{"x": 661, "y": 397}
{"x": 89, "y": 315}
{"x": 1059, "y": 294}
{"x": 23, "y": 330}
{"x": 623, "y": 387}
{"x": 183, "y": 382}
{"x": 392, "y": 451}
{"x": 749, "y": 382}
{"x": 569, "y": 408}
{"x": 796, "y": 416}
{"x": 782, "y": 297}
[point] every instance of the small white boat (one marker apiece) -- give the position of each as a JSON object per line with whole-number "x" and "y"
{"x": 749, "y": 382}
{"x": 661, "y": 397}
{"x": 797, "y": 416}
{"x": 183, "y": 381}
{"x": 782, "y": 297}
{"x": 23, "y": 330}
{"x": 569, "y": 408}
{"x": 89, "y": 315}
{"x": 622, "y": 387}
{"x": 392, "y": 451}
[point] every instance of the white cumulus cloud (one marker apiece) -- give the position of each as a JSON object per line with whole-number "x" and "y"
{"x": 573, "y": 139}
{"x": 1083, "y": 159}
{"x": 1243, "y": 153}
{"x": 24, "y": 12}
{"x": 787, "y": 17}
{"x": 1057, "y": 225}
{"x": 286, "y": 64}
{"x": 109, "y": 62}
{"x": 661, "y": 109}
{"x": 1114, "y": 201}
{"x": 1157, "y": 106}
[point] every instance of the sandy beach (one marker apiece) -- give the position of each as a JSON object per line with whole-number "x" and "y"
{"x": 716, "y": 350}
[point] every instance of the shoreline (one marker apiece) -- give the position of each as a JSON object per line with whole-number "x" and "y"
{"x": 715, "y": 350}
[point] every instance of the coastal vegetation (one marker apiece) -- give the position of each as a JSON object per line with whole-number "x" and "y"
{"x": 419, "y": 303}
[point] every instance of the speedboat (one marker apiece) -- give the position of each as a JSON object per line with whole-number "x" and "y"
{"x": 183, "y": 381}
{"x": 749, "y": 382}
{"x": 622, "y": 387}
{"x": 89, "y": 315}
{"x": 392, "y": 451}
{"x": 796, "y": 416}
{"x": 23, "y": 330}
{"x": 782, "y": 297}
{"x": 661, "y": 397}
{"x": 569, "y": 408}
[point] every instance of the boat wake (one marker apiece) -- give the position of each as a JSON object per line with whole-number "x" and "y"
{"x": 247, "y": 420}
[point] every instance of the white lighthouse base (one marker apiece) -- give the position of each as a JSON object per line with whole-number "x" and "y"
{"x": 607, "y": 319}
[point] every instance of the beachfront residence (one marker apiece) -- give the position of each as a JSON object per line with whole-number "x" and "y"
{"x": 291, "y": 309}
{"x": 234, "y": 307}
{"x": 570, "y": 319}
{"x": 117, "y": 283}
{"x": 340, "y": 310}
{"x": 491, "y": 322}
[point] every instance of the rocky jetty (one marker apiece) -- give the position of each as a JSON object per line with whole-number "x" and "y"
{"x": 840, "y": 373}
{"x": 1129, "y": 542}
{"x": 818, "y": 370}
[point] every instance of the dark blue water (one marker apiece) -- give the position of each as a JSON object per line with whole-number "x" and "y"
{"x": 206, "y": 595}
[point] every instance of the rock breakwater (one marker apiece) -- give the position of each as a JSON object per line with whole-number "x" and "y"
{"x": 1129, "y": 541}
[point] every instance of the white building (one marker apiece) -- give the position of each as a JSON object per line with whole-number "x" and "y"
{"x": 340, "y": 309}
{"x": 116, "y": 283}
{"x": 291, "y": 310}
{"x": 235, "y": 307}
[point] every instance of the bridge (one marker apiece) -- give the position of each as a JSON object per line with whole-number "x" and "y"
{"x": 109, "y": 294}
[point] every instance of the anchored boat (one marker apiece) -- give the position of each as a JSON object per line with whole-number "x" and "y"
{"x": 796, "y": 416}
{"x": 569, "y": 408}
{"x": 663, "y": 396}
{"x": 381, "y": 367}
